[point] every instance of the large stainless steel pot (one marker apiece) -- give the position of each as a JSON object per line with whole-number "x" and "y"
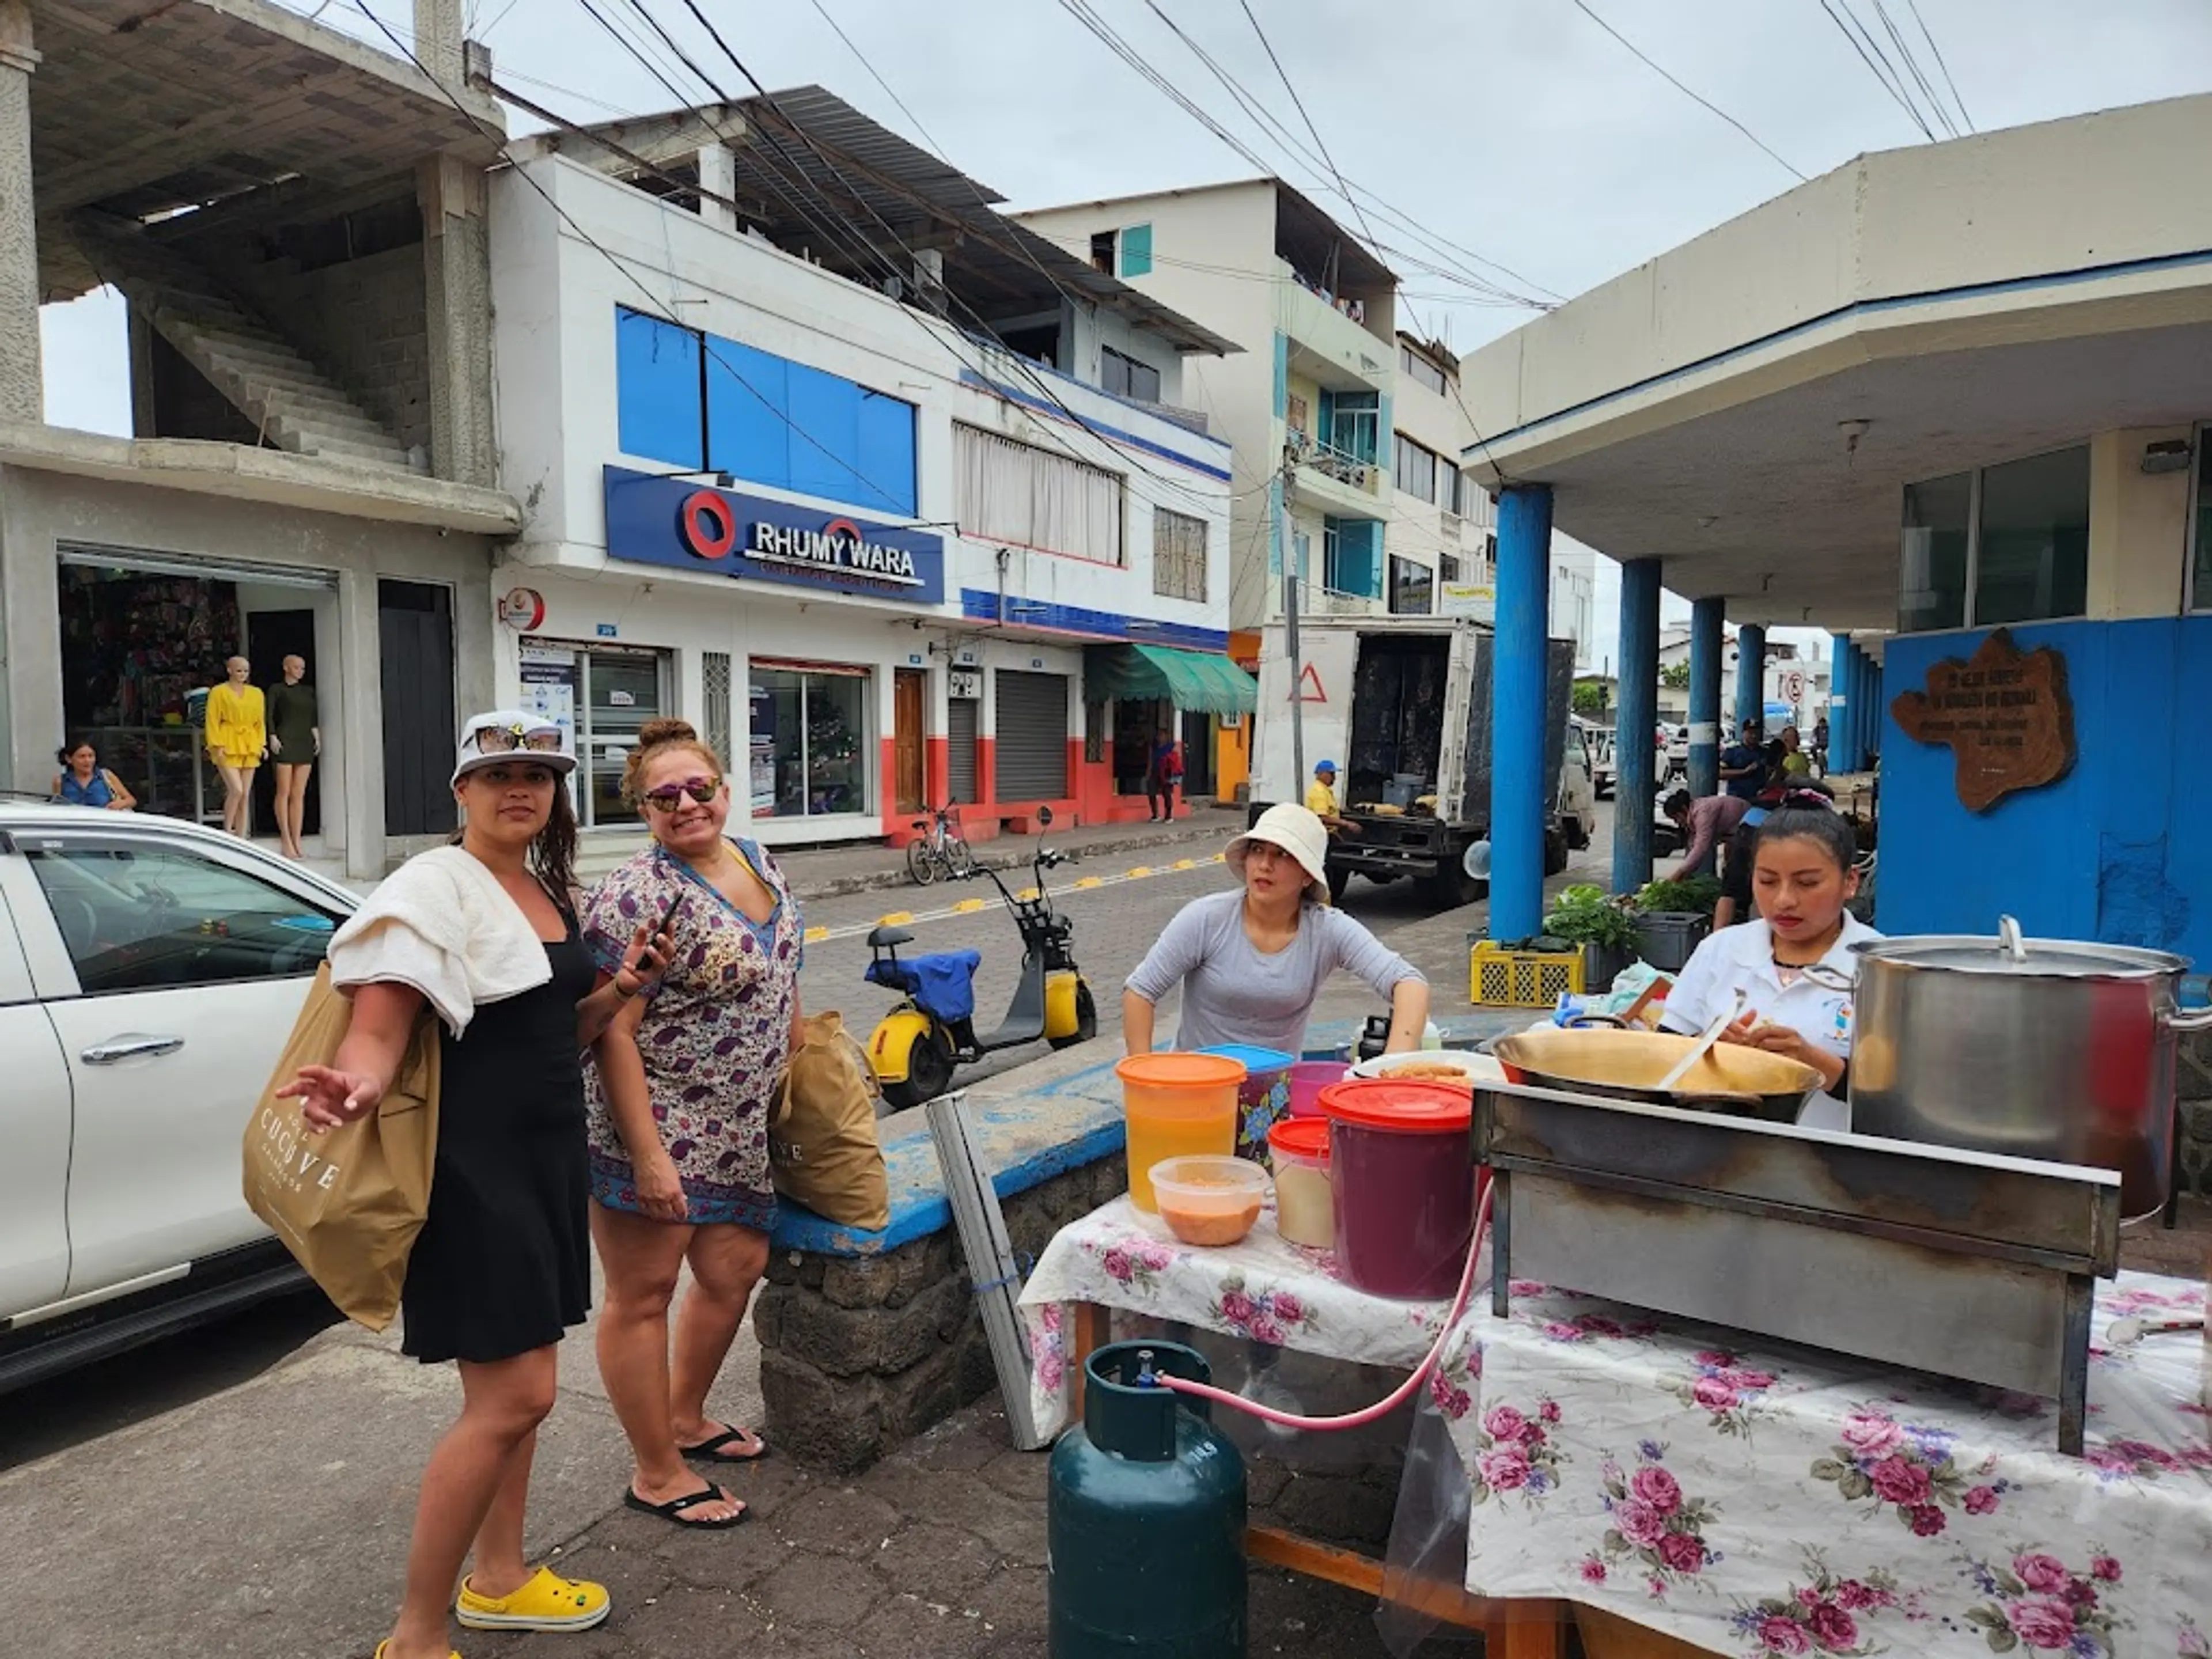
{"x": 2042, "y": 1048}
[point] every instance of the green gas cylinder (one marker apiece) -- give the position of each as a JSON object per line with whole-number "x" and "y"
{"x": 1144, "y": 1516}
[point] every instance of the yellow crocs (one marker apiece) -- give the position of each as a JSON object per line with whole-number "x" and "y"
{"x": 547, "y": 1602}
{"x": 387, "y": 1643}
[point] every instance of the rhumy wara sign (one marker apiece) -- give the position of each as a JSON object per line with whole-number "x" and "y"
{"x": 2005, "y": 714}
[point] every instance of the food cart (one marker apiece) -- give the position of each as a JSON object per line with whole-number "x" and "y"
{"x": 1737, "y": 1387}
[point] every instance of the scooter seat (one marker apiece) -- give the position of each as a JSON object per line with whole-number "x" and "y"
{"x": 888, "y": 936}
{"x": 942, "y": 983}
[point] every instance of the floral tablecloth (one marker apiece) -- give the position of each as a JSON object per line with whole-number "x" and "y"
{"x": 1748, "y": 1499}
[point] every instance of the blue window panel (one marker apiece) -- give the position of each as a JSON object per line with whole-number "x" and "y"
{"x": 748, "y": 403}
{"x": 1136, "y": 243}
{"x": 657, "y": 390}
{"x": 1357, "y": 565}
{"x": 887, "y": 463}
{"x": 825, "y": 442}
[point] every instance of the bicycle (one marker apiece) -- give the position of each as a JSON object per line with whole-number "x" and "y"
{"x": 940, "y": 852}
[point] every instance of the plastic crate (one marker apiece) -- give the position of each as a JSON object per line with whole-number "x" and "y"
{"x": 1499, "y": 976}
{"x": 1666, "y": 937}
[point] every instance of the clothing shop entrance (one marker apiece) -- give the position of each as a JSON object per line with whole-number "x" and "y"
{"x": 143, "y": 637}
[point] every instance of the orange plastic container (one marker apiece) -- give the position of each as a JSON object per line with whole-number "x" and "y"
{"x": 1176, "y": 1105}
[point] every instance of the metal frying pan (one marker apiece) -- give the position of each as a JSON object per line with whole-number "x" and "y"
{"x": 1629, "y": 1065}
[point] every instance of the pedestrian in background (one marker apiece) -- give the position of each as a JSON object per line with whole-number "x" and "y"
{"x": 485, "y": 931}
{"x": 1166, "y": 772}
{"x": 83, "y": 781}
{"x": 680, "y": 1091}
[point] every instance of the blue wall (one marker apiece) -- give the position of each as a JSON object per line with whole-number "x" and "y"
{"x": 2116, "y": 850}
{"x": 760, "y": 418}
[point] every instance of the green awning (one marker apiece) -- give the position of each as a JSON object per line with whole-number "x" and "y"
{"x": 1188, "y": 680}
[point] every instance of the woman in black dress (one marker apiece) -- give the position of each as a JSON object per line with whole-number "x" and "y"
{"x": 295, "y": 741}
{"x": 485, "y": 931}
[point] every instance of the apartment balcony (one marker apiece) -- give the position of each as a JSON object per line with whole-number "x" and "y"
{"x": 1333, "y": 480}
{"x": 1315, "y": 599}
{"x": 1329, "y": 346}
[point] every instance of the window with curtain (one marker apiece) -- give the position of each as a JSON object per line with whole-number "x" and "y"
{"x": 1932, "y": 561}
{"x": 1355, "y": 424}
{"x": 1420, "y": 370}
{"x": 1018, "y": 494}
{"x": 1178, "y": 555}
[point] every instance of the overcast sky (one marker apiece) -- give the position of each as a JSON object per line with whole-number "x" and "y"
{"x": 1518, "y": 128}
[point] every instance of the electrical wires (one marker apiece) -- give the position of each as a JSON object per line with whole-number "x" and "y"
{"x": 1897, "y": 69}
{"x": 1582, "y": 6}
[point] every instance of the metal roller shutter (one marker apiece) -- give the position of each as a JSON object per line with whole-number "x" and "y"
{"x": 960, "y": 749}
{"x": 1032, "y": 751}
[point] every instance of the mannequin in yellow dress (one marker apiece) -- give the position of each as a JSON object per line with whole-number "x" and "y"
{"x": 237, "y": 739}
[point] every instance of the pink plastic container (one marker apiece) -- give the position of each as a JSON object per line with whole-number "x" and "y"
{"x": 1308, "y": 1078}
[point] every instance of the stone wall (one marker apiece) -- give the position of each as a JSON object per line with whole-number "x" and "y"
{"x": 860, "y": 1352}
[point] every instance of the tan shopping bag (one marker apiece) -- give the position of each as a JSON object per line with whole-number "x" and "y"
{"x": 347, "y": 1203}
{"x": 822, "y": 1139}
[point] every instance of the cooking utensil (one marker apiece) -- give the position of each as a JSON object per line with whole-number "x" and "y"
{"x": 2126, "y": 1333}
{"x": 2058, "y": 1049}
{"x": 1630, "y": 1065}
{"x": 1706, "y": 1038}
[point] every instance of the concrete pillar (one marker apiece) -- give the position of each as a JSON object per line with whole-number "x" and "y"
{"x": 1705, "y": 618}
{"x": 457, "y": 273}
{"x": 1839, "y": 702}
{"x": 1518, "y": 803}
{"x": 22, "y": 385}
{"x": 438, "y": 34}
{"x": 718, "y": 176}
{"x": 1751, "y": 676}
{"x": 1636, "y": 784}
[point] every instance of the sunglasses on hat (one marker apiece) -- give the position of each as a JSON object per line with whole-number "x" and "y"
{"x": 515, "y": 739}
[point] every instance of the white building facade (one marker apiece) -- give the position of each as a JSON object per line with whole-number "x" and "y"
{"x": 880, "y": 562}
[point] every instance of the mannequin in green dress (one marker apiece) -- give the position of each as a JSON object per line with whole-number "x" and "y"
{"x": 296, "y": 739}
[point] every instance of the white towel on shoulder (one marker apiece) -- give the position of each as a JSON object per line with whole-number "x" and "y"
{"x": 442, "y": 924}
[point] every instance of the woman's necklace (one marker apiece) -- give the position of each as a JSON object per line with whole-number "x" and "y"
{"x": 1790, "y": 972}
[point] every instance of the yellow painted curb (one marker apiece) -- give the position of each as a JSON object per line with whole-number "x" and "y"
{"x": 1031, "y": 892}
{"x": 966, "y": 905}
{"x": 896, "y": 919}
{"x": 815, "y": 935}
{"x": 1089, "y": 881}
{"x": 1186, "y": 864}
{"x": 1141, "y": 870}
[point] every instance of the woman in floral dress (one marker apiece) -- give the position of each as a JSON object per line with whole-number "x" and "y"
{"x": 679, "y": 1097}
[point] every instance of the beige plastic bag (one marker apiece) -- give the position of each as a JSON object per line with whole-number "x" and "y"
{"x": 822, "y": 1142}
{"x": 347, "y": 1203}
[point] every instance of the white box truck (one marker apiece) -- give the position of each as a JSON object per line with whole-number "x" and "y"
{"x": 1401, "y": 704}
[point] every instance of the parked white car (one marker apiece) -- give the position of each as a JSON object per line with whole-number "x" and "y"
{"x": 150, "y": 971}
{"x": 1577, "y": 797}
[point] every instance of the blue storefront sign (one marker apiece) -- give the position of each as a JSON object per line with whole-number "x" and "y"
{"x": 685, "y": 525}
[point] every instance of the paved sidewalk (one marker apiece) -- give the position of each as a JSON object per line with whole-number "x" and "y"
{"x": 827, "y": 872}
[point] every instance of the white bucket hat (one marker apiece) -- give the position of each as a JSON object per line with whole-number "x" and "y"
{"x": 1296, "y": 831}
{"x": 516, "y": 736}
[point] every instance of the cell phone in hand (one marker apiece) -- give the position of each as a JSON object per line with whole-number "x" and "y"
{"x": 668, "y": 921}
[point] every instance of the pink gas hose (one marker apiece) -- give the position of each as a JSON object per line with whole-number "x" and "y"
{"x": 1390, "y": 1402}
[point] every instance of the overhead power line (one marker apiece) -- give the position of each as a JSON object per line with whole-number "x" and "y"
{"x": 1945, "y": 67}
{"x": 1583, "y": 7}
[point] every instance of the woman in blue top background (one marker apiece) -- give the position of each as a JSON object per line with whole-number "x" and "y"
{"x": 83, "y": 781}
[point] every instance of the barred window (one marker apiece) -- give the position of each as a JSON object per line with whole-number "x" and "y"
{"x": 1178, "y": 555}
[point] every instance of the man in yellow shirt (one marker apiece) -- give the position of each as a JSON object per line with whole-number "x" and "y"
{"x": 1321, "y": 801}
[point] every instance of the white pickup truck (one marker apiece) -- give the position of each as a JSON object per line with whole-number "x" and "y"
{"x": 150, "y": 971}
{"x": 1401, "y": 704}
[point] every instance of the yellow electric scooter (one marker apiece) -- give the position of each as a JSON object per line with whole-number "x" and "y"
{"x": 918, "y": 1044}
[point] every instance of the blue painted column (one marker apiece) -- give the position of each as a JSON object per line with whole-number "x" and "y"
{"x": 1751, "y": 676}
{"x": 1871, "y": 704}
{"x": 1705, "y": 619}
{"x": 1841, "y": 704}
{"x": 1637, "y": 783}
{"x": 1517, "y": 802}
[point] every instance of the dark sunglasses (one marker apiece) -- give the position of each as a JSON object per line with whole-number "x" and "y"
{"x": 669, "y": 797}
{"x": 511, "y": 740}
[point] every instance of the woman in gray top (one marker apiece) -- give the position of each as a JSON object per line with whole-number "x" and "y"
{"x": 1251, "y": 962}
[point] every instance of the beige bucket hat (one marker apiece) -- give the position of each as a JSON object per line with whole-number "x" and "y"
{"x": 1296, "y": 831}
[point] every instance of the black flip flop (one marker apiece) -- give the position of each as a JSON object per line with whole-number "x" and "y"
{"x": 711, "y": 1451}
{"x": 674, "y": 1510}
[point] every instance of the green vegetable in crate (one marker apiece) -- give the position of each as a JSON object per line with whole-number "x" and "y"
{"x": 1585, "y": 914}
{"x": 1695, "y": 896}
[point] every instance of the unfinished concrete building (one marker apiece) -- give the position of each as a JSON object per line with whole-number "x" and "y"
{"x": 297, "y": 223}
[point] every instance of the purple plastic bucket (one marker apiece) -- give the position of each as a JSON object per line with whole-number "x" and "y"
{"x": 1308, "y": 1078}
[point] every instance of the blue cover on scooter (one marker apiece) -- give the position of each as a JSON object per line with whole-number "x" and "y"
{"x": 942, "y": 983}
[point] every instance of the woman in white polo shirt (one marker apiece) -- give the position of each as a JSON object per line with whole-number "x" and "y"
{"x": 1795, "y": 965}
